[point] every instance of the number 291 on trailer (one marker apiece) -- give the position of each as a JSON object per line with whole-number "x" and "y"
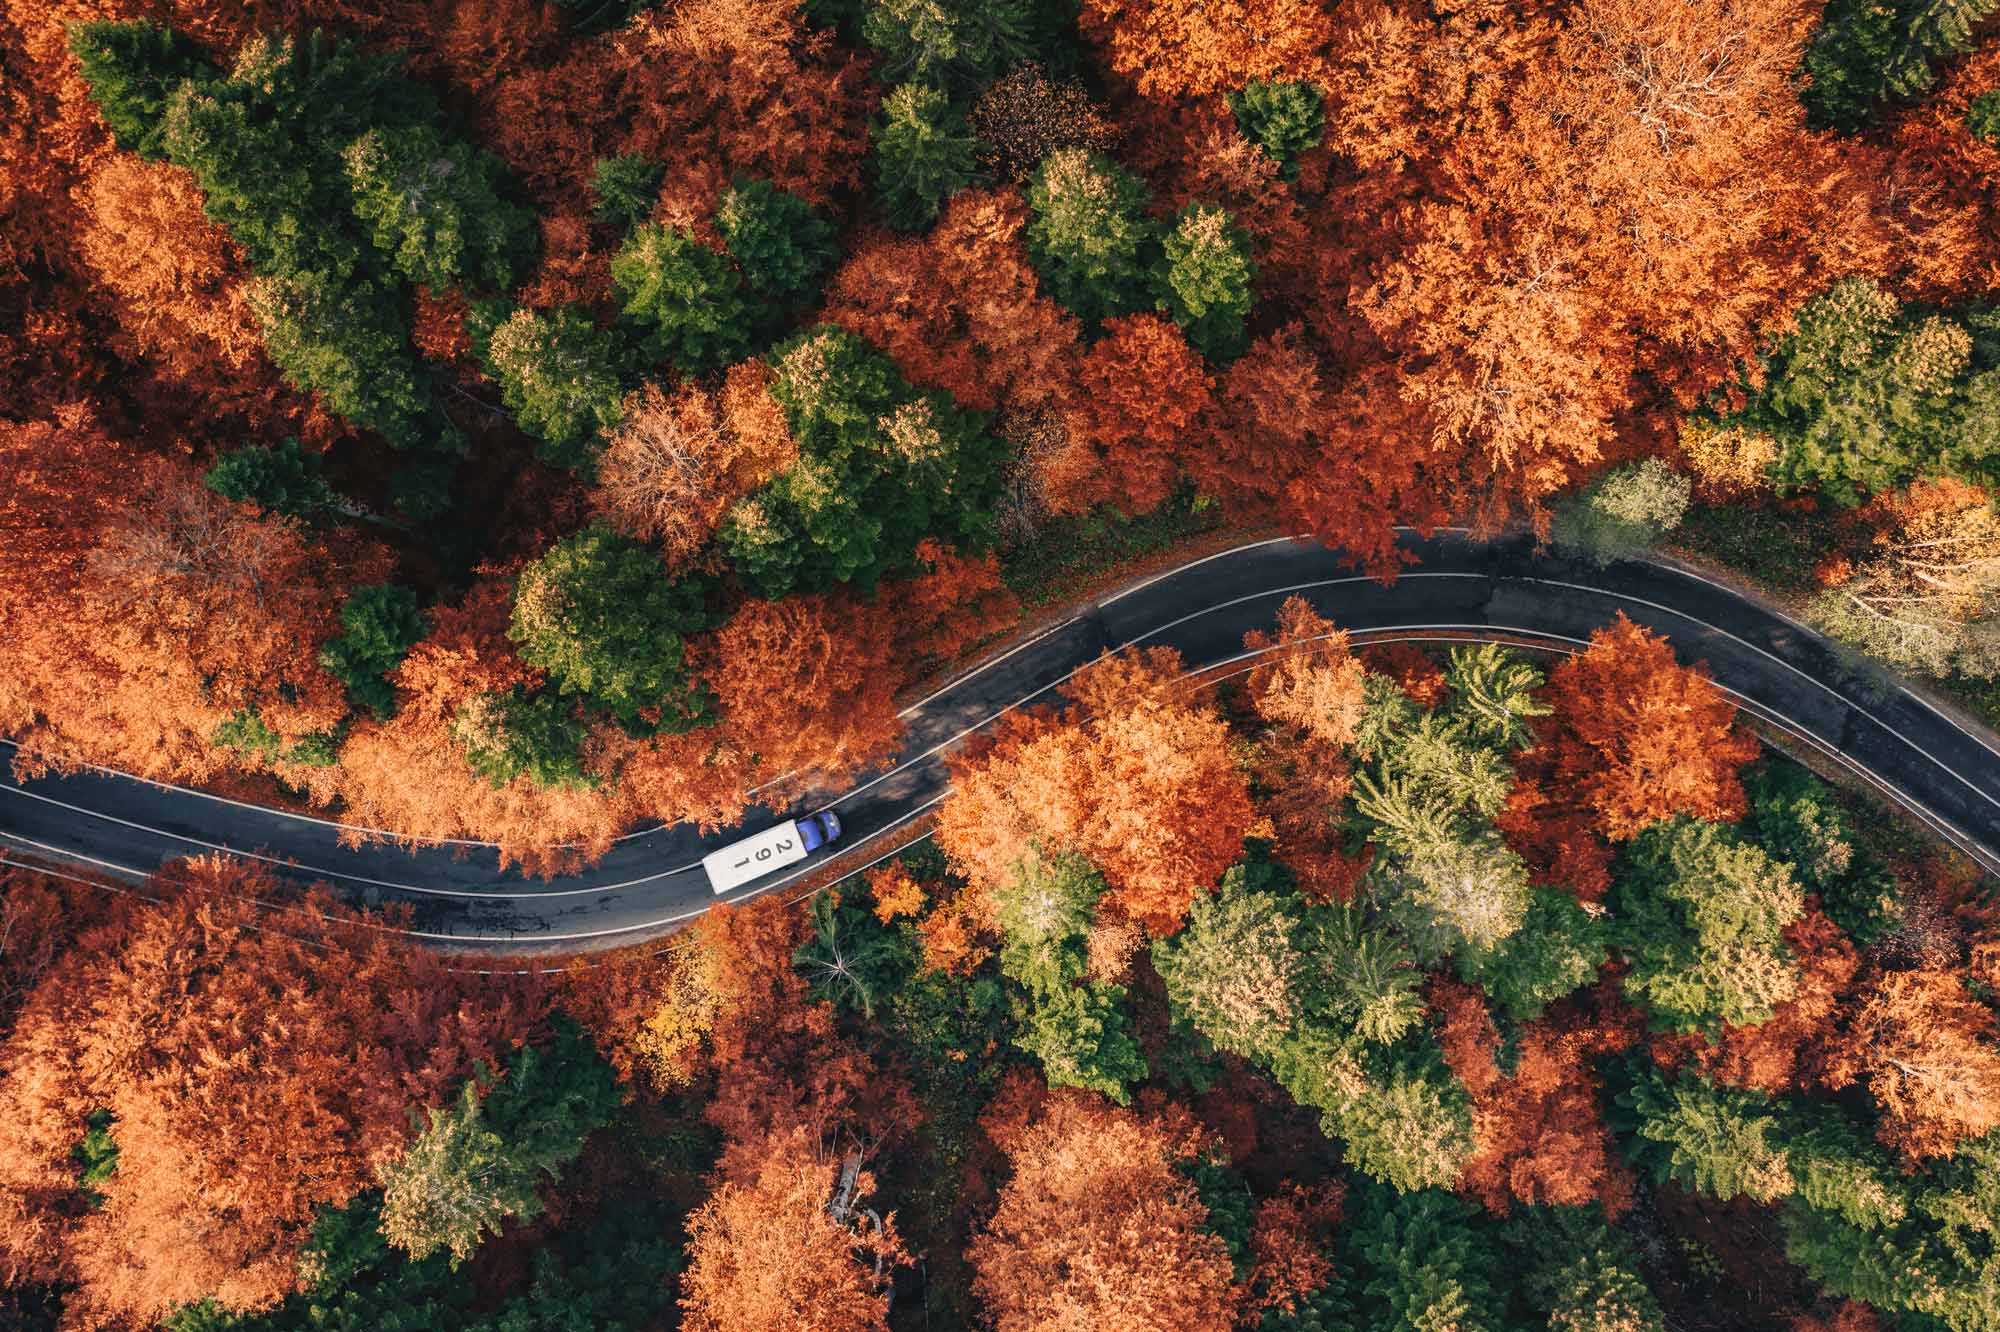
{"x": 774, "y": 848}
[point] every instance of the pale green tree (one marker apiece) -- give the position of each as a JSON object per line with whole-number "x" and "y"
{"x": 1204, "y": 279}
{"x": 1233, "y": 970}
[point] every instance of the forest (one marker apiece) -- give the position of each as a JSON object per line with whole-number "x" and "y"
{"x": 523, "y": 420}
{"x": 1464, "y": 989}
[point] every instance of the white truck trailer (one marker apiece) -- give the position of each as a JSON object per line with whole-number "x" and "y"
{"x": 774, "y": 848}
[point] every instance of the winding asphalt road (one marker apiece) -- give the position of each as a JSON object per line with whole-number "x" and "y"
{"x": 1941, "y": 772}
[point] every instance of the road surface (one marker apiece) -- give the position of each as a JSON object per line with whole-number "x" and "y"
{"x": 1941, "y": 772}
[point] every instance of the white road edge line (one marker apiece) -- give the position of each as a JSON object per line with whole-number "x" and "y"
{"x": 1411, "y": 633}
{"x": 505, "y": 895}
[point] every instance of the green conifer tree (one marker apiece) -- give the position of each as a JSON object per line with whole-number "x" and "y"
{"x": 880, "y": 467}
{"x": 1700, "y": 918}
{"x": 132, "y": 69}
{"x": 1204, "y": 280}
{"x": 559, "y": 375}
{"x": 1557, "y": 950}
{"x": 920, "y": 155}
{"x": 381, "y": 623}
{"x": 435, "y": 207}
{"x": 626, "y": 188}
{"x": 688, "y": 300}
{"x": 1286, "y": 120}
{"x": 481, "y": 1160}
{"x": 278, "y": 479}
{"x": 1427, "y": 1265}
{"x": 1089, "y": 238}
{"x": 1233, "y": 969}
{"x": 1493, "y": 695}
{"x": 600, "y": 615}
{"x": 782, "y": 246}
{"x": 1724, "y": 1142}
{"x": 516, "y": 734}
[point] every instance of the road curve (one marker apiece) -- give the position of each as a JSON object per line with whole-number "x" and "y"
{"x": 1942, "y": 772}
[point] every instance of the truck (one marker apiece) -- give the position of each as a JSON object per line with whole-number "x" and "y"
{"x": 774, "y": 848}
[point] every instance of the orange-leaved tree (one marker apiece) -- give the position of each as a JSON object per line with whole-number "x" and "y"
{"x": 960, "y": 309}
{"x": 1141, "y": 391}
{"x": 254, "y": 1059}
{"x": 676, "y": 463}
{"x": 806, "y": 681}
{"x": 1139, "y": 776}
{"x": 1307, "y": 677}
{"x": 1926, "y": 1051}
{"x": 767, "y": 1254}
{"x": 1308, "y": 688}
{"x": 1540, "y": 1139}
{"x": 1288, "y": 1245}
{"x": 1637, "y": 737}
{"x": 177, "y": 280}
{"x": 1523, "y": 172}
{"x": 1187, "y": 48}
{"x": 145, "y": 610}
{"x": 1097, "y": 1231}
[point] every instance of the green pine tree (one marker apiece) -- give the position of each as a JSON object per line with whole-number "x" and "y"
{"x": 1724, "y": 1142}
{"x": 1422, "y": 1264}
{"x": 1982, "y": 118}
{"x": 278, "y": 479}
{"x": 1863, "y": 396}
{"x": 380, "y": 624}
{"x": 1082, "y": 1034}
{"x": 782, "y": 246}
{"x": 688, "y": 300}
{"x": 599, "y": 613}
{"x": 132, "y": 69}
{"x": 1286, "y": 120}
{"x": 346, "y": 340}
{"x": 1400, "y": 1115}
{"x": 435, "y": 207}
{"x": 454, "y": 1185}
{"x": 1557, "y": 950}
{"x": 851, "y": 959}
{"x": 559, "y": 375}
{"x": 1204, "y": 280}
{"x": 1493, "y": 695}
{"x": 1579, "y": 1272}
{"x": 880, "y": 467}
{"x": 1838, "y": 1167}
{"x": 1932, "y": 31}
{"x": 1624, "y": 513}
{"x": 1233, "y": 969}
{"x": 1468, "y": 892}
{"x": 962, "y": 43}
{"x": 483, "y": 1159}
{"x": 1089, "y": 238}
{"x": 516, "y": 734}
{"x": 920, "y": 155}
{"x": 1700, "y": 917}
{"x": 1358, "y": 975}
{"x": 626, "y": 188}
{"x": 1044, "y": 911}
{"x": 1796, "y": 817}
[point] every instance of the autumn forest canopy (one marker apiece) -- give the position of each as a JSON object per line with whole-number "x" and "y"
{"x": 519, "y": 420}
{"x": 516, "y": 420}
{"x": 1367, "y": 990}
